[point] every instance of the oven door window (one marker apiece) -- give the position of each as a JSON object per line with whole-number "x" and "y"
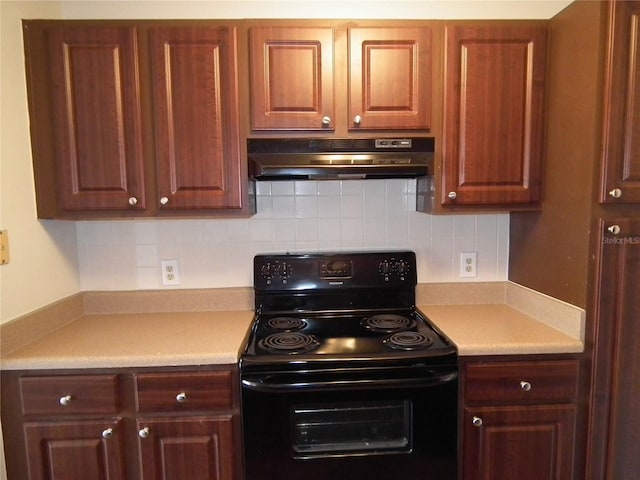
{"x": 353, "y": 428}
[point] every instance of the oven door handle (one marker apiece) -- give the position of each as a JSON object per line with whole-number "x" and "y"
{"x": 287, "y": 383}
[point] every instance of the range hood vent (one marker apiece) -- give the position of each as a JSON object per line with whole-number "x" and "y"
{"x": 339, "y": 158}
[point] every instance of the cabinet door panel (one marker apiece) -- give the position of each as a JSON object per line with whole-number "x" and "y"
{"x": 621, "y": 162}
{"x": 615, "y": 421}
{"x": 292, "y": 78}
{"x": 97, "y": 118}
{"x": 390, "y": 78}
{"x": 74, "y": 450}
{"x": 196, "y": 117}
{"x": 494, "y": 111}
{"x": 196, "y": 448}
{"x": 519, "y": 443}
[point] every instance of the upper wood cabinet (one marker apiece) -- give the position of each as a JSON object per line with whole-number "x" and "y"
{"x": 292, "y": 78}
{"x": 86, "y": 119}
{"x": 195, "y": 98}
{"x": 134, "y": 119}
{"x": 494, "y": 114}
{"x": 300, "y": 74}
{"x": 621, "y": 151}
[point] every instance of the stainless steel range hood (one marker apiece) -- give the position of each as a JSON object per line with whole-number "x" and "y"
{"x": 339, "y": 158}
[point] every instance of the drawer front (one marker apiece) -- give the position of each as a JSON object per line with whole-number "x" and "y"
{"x": 521, "y": 382}
{"x": 69, "y": 394}
{"x": 180, "y": 392}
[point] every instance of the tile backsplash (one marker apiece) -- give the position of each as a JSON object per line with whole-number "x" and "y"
{"x": 292, "y": 216}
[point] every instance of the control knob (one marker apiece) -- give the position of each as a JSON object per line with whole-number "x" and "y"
{"x": 402, "y": 268}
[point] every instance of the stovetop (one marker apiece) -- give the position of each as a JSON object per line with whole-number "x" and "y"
{"x": 341, "y": 307}
{"x": 304, "y": 338}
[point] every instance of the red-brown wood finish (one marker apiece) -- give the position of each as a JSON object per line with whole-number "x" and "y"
{"x": 615, "y": 396}
{"x": 195, "y": 97}
{"x": 69, "y": 395}
{"x": 73, "y": 450}
{"x": 157, "y": 392}
{"x": 494, "y": 114}
{"x": 194, "y": 448}
{"x": 292, "y": 78}
{"x": 189, "y": 418}
{"x": 621, "y": 155}
{"x": 390, "y": 78}
{"x": 519, "y": 419}
{"x": 502, "y": 383}
{"x": 519, "y": 443}
{"x": 95, "y": 92}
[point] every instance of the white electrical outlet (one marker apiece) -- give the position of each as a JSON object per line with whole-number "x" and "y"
{"x": 468, "y": 264}
{"x": 170, "y": 272}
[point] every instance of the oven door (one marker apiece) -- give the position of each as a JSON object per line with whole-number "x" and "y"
{"x": 382, "y": 424}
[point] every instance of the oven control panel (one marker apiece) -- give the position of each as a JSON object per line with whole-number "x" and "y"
{"x": 334, "y": 271}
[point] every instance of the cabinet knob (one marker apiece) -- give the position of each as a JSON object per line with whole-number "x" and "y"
{"x": 615, "y": 229}
{"x": 326, "y": 120}
{"x": 477, "y": 421}
{"x": 615, "y": 193}
{"x": 452, "y": 195}
{"x": 133, "y": 201}
{"x": 525, "y": 386}
{"x": 107, "y": 433}
{"x": 144, "y": 432}
{"x": 181, "y": 397}
{"x": 164, "y": 200}
{"x": 66, "y": 400}
{"x": 357, "y": 119}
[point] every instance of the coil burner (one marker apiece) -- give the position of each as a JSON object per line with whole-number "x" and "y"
{"x": 388, "y": 323}
{"x": 289, "y": 342}
{"x": 408, "y": 341}
{"x": 288, "y": 324}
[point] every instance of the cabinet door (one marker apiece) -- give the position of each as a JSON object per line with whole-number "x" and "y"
{"x": 95, "y": 97}
{"x": 621, "y": 154}
{"x": 74, "y": 450}
{"x": 519, "y": 443}
{"x": 194, "y": 448}
{"x": 615, "y": 417}
{"x": 494, "y": 112}
{"x": 195, "y": 102}
{"x": 292, "y": 78}
{"x": 390, "y": 78}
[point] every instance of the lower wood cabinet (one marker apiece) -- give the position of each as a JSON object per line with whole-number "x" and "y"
{"x": 142, "y": 424}
{"x": 194, "y": 448}
{"x": 519, "y": 420}
{"x": 59, "y": 450}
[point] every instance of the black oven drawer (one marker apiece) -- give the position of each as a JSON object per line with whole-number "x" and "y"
{"x": 313, "y": 430}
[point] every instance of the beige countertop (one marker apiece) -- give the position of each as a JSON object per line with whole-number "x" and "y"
{"x": 498, "y": 329}
{"x": 137, "y": 339}
{"x": 123, "y": 330}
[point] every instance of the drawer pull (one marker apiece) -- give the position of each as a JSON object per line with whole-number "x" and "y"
{"x": 64, "y": 401}
{"x": 144, "y": 432}
{"x": 477, "y": 422}
{"x": 107, "y": 433}
{"x": 181, "y": 397}
{"x": 525, "y": 386}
